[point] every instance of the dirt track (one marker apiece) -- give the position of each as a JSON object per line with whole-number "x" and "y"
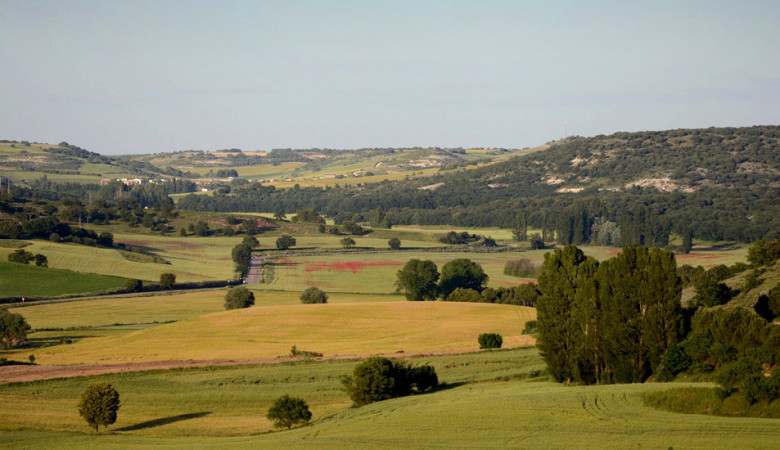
{"x": 23, "y": 373}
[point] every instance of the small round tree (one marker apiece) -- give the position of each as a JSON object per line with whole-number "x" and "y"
{"x": 285, "y": 242}
{"x": 167, "y": 280}
{"x": 348, "y": 242}
{"x": 490, "y": 340}
{"x": 394, "y": 243}
{"x": 314, "y": 295}
{"x": 288, "y": 411}
{"x": 239, "y": 297}
{"x": 99, "y": 404}
{"x": 13, "y": 329}
{"x": 133, "y": 284}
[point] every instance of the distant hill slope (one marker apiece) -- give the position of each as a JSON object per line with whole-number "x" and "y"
{"x": 22, "y": 160}
{"x": 674, "y": 160}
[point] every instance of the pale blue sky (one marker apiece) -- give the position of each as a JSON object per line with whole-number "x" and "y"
{"x": 154, "y": 76}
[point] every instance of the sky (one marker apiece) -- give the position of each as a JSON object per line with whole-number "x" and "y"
{"x": 147, "y": 76}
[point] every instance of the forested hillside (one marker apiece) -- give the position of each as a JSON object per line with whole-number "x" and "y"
{"x": 715, "y": 183}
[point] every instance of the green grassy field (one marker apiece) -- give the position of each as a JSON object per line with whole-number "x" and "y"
{"x": 225, "y": 407}
{"x": 331, "y": 329}
{"x": 19, "y": 280}
{"x": 376, "y": 272}
{"x": 191, "y": 258}
{"x": 233, "y": 398}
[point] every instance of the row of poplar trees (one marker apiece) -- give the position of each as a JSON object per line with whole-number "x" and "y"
{"x": 608, "y": 322}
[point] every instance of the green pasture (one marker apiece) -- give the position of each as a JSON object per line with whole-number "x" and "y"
{"x": 376, "y": 272}
{"x": 331, "y": 329}
{"x": 225, "y": 408}
{"x": 227, "y": 401}
{"x": 190, "y": 258}
{"x": 27, "y": 280}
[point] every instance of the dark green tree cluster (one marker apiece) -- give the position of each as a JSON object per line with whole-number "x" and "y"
{"x": 735, "y": 345}
{"x": 764, "y": 252}
{"x": 768, "y": 305}
{"x": 13, "y": 328}
{"x": 610, "y": 322}
{"x": 522, "y": 295}
{"x": 308, "y": 215}
{"x": 455, "y": 238}
{"x": 21, "y": 256}
{"x": 420, "y": 280}
{"x": 379, "y": 378}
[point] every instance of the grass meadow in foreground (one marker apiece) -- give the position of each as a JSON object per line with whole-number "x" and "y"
{"x": 193, "y": 408}
{"x": 27, "y": 280}
{"x": 331, "y": 329}
{"x": 223, "y": 401}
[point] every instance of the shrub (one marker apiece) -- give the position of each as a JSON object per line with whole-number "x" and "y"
{"x": 490, "y": 340}
{"x": 394, "y": 243}
{"x": 674, "y": 361}
{"x": 536, "y": 242}
{"x": 41, "y": 260}
{"x": 239, "y": 297}
{"x": 313, "y": 295}
{"x": 20, "y": 256}
{"x": 464, "y": 295}
{"x": 133, "y": 285}
{"x": 288, "y": 411}
{"x": 99, "y": 404}
{"x": 522, "y": 268}
{"x": 530, "y": 327}
{"x": 348, "y": 242}
{"x": 167, "y": 280}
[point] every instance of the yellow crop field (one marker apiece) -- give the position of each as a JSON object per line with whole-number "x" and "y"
{"x": 331, "y": 329}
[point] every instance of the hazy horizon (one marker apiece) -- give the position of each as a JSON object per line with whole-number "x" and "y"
{"x": 147, "y": 77}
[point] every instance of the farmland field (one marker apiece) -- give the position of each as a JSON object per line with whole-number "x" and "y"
{"x": 18, "y": 280}
{"x": 376, "y": 272}
{"x": 190, "y": 258}
{"x": 220, "y": 407}
{"x": 331, "y": 329}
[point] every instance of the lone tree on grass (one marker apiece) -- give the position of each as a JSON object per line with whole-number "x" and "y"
{"x": 239, "y": 297}
{"x": 314, "y": 295}
{"x": 394, "y": 243}
{"x": 418, "y": 280}
{"x": 288, "y": 411}
{"x": 348, "y": 242}
{"x": 13, "y": 329}
{"x": 99, "y": 404}
{"x": 167, "y": 280}
{"x": 285, "y": 242}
